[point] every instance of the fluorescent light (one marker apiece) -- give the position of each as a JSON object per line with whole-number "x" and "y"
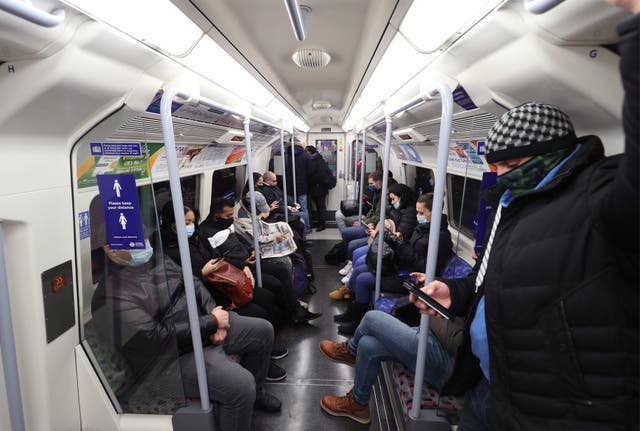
{"x": 300, "y": 125}
{"x": 212, "y": 62}
{"x": 155, "y": 22}
{"x": 430, "y": 23}
{"x": 277, "y": 108}
{"x": 399, "y": 63}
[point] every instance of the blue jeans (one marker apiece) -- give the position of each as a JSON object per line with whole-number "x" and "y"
{"x": 359, "y": 254}
{"x": 362, "y": 282}
{"x": 381, "y": 337}
{"x": 354, "y": 232}
{"x": 355, "y": 244}
{"x": 304, "y": 213}
{"x": 474, "y": 414}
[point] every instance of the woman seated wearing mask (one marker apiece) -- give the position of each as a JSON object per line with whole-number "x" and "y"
{"x": 202, "y": 255}
{"x": 410, "y": 256}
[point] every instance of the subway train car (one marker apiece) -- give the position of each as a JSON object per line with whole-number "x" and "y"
{"x": 125, "y": 120}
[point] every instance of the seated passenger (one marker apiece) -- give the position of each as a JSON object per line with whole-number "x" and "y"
{"x": 263, "y": 303}
{"x": 357, "y": 232}
{"x": 410, "y": 256}
{"x": 276, "y": 273}
{"x": 382, "y": 337}
{"x": 143, "y": 293}
{"x": 277, "y": 205}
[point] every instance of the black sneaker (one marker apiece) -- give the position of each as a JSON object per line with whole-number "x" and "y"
{"x": 267, "y": 402}
{"x": 278, "y": 351}
{"x": 275, "y": 373}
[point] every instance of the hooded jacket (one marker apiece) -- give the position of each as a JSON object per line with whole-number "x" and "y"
{"x": 561, "y": 291}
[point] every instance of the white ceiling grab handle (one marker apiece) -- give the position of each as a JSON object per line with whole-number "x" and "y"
{"x": 25, "y": 10}
{"x": 540, "y": 6}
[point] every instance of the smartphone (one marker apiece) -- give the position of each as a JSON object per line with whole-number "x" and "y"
{"x": 432, "y": 303}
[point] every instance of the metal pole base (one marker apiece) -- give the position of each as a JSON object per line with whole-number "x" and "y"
{"x": 427, "y": 421}
{"x": 193, "y": 418}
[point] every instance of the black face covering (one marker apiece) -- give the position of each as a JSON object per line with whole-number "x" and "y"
{"x": 223, "y": 223}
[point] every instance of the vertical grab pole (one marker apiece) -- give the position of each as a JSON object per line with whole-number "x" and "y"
{"x": 434, "y": 234}
{"x": 293, "y": 171}
{"x": 355, "y": 167}
{"x": 8, "y": 348}
{"x": 383, "y": 203}
{"x": 183, "y": 244}
{"x": 284, "y": 178}
{"x": 252, "y": 197}
{"x": 362, "y": 169}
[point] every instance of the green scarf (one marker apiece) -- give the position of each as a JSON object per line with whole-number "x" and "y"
{"x": 524, "y": 179}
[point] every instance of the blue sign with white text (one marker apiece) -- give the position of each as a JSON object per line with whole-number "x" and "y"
{"x": 119, "y": 198}
{"x": 115, "y": 149}
{"x": 85, "y": 224}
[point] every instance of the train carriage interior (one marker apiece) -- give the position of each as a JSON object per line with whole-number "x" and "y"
{"x": 118, "y": 113}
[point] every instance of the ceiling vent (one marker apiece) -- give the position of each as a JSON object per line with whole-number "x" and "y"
{"x": 311, "y": 58}
{"x": 321, "y": 104}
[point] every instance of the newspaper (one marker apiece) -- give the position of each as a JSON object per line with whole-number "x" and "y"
{"x": 278, "y": 249}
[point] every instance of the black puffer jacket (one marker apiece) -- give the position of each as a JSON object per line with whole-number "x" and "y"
{"x": 404, "y": 219}
{"x": 561, "y": 292}
{"x": 303, "y": 167}
{"x": 411, "y": 255}
{"x": 318, "y": 170}
{"x": 144, "y": 309}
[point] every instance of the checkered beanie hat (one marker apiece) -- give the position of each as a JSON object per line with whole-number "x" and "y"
{"x": 529, "y": 130}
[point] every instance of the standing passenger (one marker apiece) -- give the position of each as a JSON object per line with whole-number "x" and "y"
{"x": 554, "y": 322}
{"x": 318, "y": 180}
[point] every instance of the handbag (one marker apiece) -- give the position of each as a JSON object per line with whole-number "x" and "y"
{"x": 231, "y": 282}
{"x": 388, "y": 259}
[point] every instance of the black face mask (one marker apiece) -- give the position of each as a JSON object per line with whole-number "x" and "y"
{"x": 223, "y": 223}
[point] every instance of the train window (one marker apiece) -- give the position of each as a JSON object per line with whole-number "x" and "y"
{"x": 224, "y": 184}
{"x": 162, "y": 192}
{"x": 127, "y": 283}
{"x": 424, "y": 181}
{"x": 464, "y": 198}
{"x": 328, "y": 148}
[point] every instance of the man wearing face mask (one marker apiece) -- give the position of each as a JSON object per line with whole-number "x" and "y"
{"x": 141, "y": 300}
{"x": 276, "y": 273}
{"x": 553, "y": 301}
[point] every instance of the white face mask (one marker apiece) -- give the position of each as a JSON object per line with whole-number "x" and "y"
{"x": 140, "y": 257}
{"x": 191, "y": 230}
{"x": 421, "y": 219}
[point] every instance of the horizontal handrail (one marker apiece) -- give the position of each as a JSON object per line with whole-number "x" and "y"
{"x": 540, "y": 6}
{"x": 26, "y": 10}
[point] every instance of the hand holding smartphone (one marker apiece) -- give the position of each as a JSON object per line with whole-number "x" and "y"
{"x": 429, "y": 301}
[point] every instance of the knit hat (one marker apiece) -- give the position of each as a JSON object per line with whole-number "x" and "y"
{"x": 529, "y": 130}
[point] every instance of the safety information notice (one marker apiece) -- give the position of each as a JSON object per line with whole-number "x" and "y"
{"x": 119, "y": 198}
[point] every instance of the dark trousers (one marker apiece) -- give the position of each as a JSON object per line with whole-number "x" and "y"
{"x": 233, "y": 386}
{"x": 474, "y": 414}
{"x": 321, "y": 208}
{"x": 277, "y": 277}
{"x": 263, "y": 306}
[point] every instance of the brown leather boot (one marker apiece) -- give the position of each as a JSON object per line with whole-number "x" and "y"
{"x": 339, "y": 293}
{"x": 346, "y": 406}
{"x": 337, "y": 352}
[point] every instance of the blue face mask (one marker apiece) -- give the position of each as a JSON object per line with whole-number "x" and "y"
{"x": 372, "y": 188}
{"x": 140, "y": 257}
{"x": 421, "y": 219}
{"x": 191, "y": 230}
{"x": 397, "y": 205}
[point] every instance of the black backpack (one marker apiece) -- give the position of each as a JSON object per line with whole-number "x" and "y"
{"x": 337, "y": 255}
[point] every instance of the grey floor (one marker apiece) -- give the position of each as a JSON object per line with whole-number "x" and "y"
{"x": 309, "y": 374}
